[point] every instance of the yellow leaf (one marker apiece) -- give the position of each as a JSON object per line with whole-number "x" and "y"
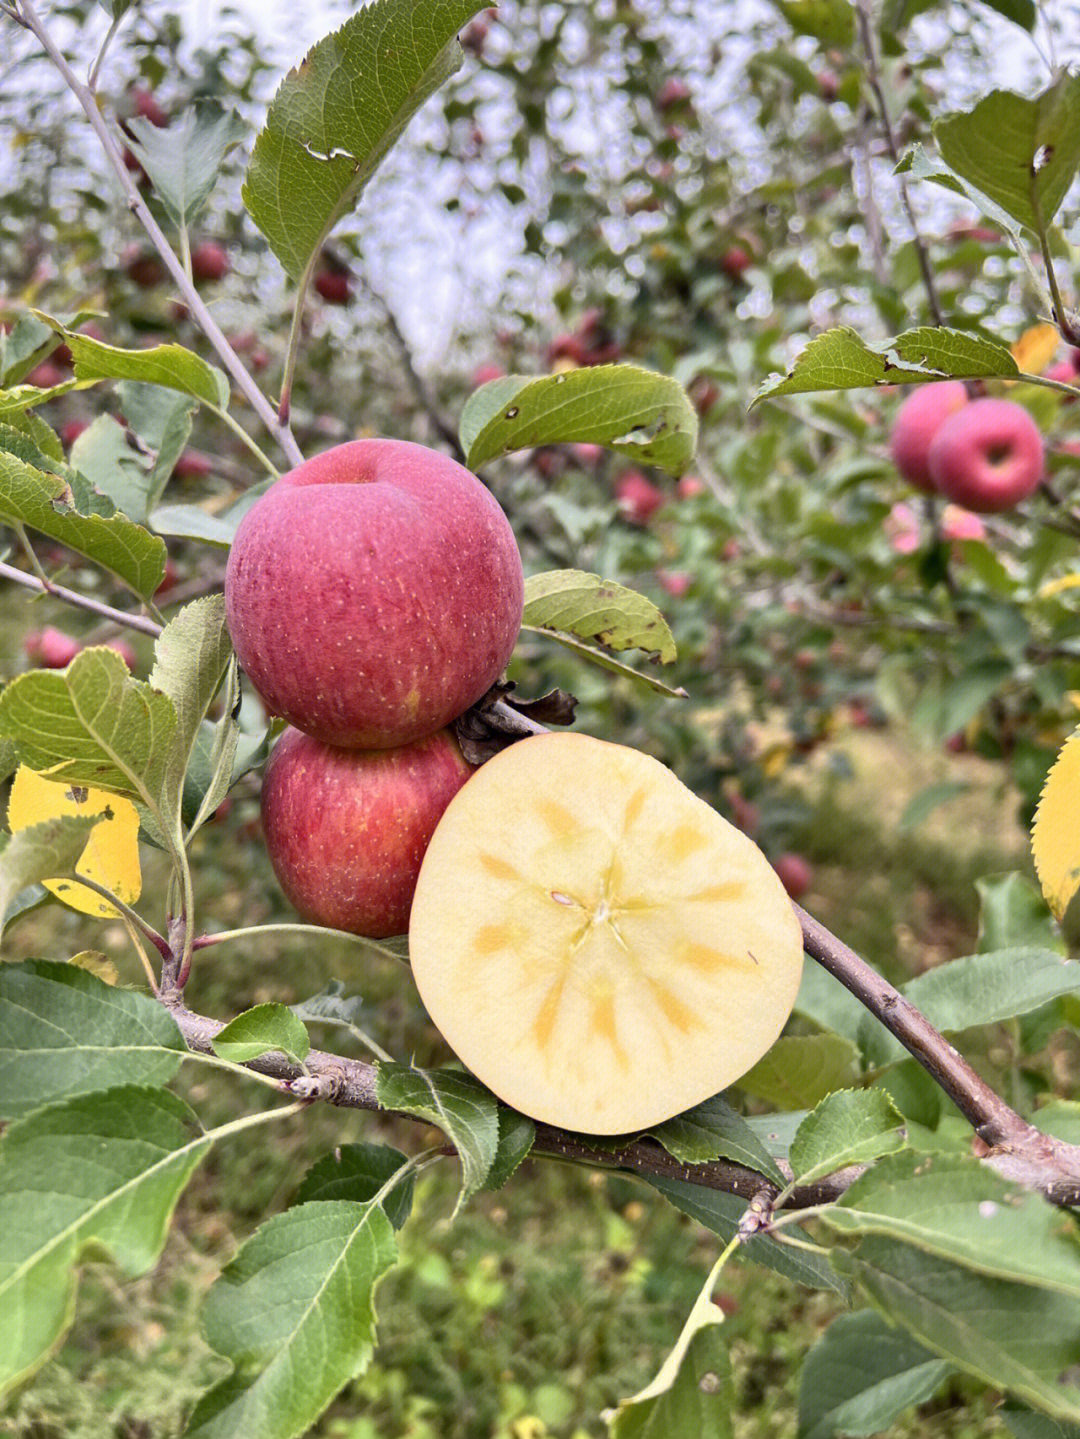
{"x": 111, "y": 856}
{"x": 1055, "y": 587}
{"x": 1055, "y": 834}
{"x": 775, "y": 759}
{"x": 94, "y": 961}
{"x": 1035, "y": 348}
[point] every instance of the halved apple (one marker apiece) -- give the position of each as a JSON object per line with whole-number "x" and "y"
{"x": 595, "y": 943}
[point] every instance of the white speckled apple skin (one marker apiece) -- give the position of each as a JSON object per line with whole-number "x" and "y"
{"x": 599, "y": 946}
{"x": 374, "y": 593}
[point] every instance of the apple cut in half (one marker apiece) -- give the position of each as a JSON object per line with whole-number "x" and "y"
{"x": 595, "y": 943}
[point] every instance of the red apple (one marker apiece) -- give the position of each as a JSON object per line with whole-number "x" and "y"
{"x": 192, "y": 465}
{"x": 144, "y": 104}
{"x": 674, "y": 582}
{"x": 960, "y": 524}
{"x": 735, "y": 261}
{"x": 689, "y": 486}
{"x": 987, "y": 456}
{"x": 209, "y": 261}
{"x": 71, "y": 431}
{"x": 123, "y": 649}
{"x": 587, "y": 454}
{"x": 795, "y": 874}
{"x": 484, "y": 374}
{"x": 704, "y": 395}
{"x": 1063, "y": 371}
{"x": 168, "y": 579}
{"x": 45, "y": 375}
{"x": 671, "y": 93}
{"x": 334, "y": 286}
{"x": 346, "y": 829}
{"x": 51, "y": 648}
{"x": 638, "y": 498}
{"x": 145, "y": 270}
{"x": 374, "y": 593}
{"x": 917, "y": 422}
{"x": 828, "y": 85}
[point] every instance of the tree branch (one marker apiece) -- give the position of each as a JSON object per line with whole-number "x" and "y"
{"x": 1007, "y": 1142}
{"x": 84, "y": 602}
{"x": 873, "y": 71}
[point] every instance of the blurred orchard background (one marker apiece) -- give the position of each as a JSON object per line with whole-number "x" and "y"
{"x": 876, "y": 682}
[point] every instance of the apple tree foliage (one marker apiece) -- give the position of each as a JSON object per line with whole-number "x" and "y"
{"x": 733, "y": 238}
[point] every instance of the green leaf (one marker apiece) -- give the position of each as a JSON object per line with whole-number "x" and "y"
{"x": 191, "y": 522}
{"x": 20, "y": 347}
{"x": 1061, "y": 1118}
{"x": 777, "y": 1131}
{"x": 629, "y": 409}
{"x": 1026, "y": 1424}
{"x": 517, "y": 1133}
{"x": 63, "y": 1032}
{"x": 357, "y": 1172}
{"x": 957, "y": 1207}
{"x": 830, "y": 22}
{"x": 458, "y": 1104}
{"x": 824, "y": 1000}
{"x": 861, "y": 1375}
{"x": 608, "y": 662}
{"x": 1022, "y": 154}
{"x": 48, "y": 850}
{"x": 850, "y": 1126}
{"x": 294, "y": 1312}
{"x": 721, "y": 1213}
{"x": 801, "y": 1069}
{"x": 100, "y": 1172}
{"x": 93, "y": 724}
{"x": 162, "y": 420}
{"x": 190, "y": 657}
{"x": 1013, "y": 915}
{"x": 1020, "y": 12}
{"x": 841, "y": 359}
{"x": 917, "y": 163}
{"x": 713, "y": 1130}
{"x": 699, "y": 1400}
{"x": 103, "y": 455}
{"x": 339, "y": 111}
{"x": 259, "y": 1030}
{"x": 922, "y": 805}
{"x": 25, "y": 397}
{"x": 1011, "y": 1336}
{"x": 183, "y": 159}
{"x": 979, "y": 989}
{"x": 573, "y": 602}
{"x": 48, "y": 502}
{"x": 169, "y": 365}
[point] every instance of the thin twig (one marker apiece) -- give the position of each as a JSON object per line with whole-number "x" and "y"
{"x": 420, "y": 389}
{"x": 190, "y": 295}
{"x": 83, "y": 602}
{"x": 873, "y": 70}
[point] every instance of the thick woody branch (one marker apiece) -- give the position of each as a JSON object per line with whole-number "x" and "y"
{"x": 350, "y": 1083}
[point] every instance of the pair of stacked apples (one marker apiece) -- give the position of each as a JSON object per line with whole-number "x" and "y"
{"x": 596, "y": 943}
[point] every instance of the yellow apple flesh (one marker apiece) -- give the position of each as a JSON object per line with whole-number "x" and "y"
{"x": 599, "y": 946}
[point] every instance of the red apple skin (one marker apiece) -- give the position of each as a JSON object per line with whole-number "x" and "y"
{"x": 209, "y": 261}
{"x": 51, "y": 648}
{"x": 674, "y": 582}
{"x": 795, "y": 874}
{"x": 374, "y": 593}
{"x": 689, "y": 486}
{"x": 334, "y": 286}
{"x": 45, "y": 375}
{"x": 638, "y": 498}
{"x": 917, "y": 421}
{"x": 988, "y": 456}
{"x": 123, "y": 649}
{"x": 71, "y": 431}
{"x": 1062, "y": 371}
{"x": 145, "y": 105}
{"x": 671, "y": 93}
{"x": 484, "y": 374}
{"x": 146, "y": 271}
{"x": 346, "y": 830}
{"x": 736, "y": 261}
{"x": 192, "y": 465}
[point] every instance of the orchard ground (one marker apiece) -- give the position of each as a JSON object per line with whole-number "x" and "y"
{"x": 546, "y": 1302}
